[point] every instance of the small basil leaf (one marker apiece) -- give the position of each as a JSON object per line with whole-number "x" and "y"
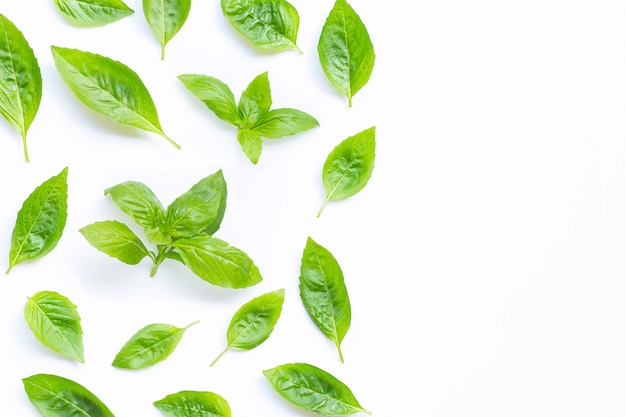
{"x": 313, "y": 389}
{"x": 255, "y": 102}
{"x": 216, "y": 181}
{"x": 251, "y": 144}
{"x": 284, "y": 122}
{"x": 253, "y": 323}
{"x": 166, "y": 18}
{"x": 116, "y": 240}
{"x": 193, "y": 404}
{"x": 150, "y": 345}
{"x": 349, "y": 166}
{"x": 20, "y": 80}
{"x": 345, "y": 50}
{"x": 55, "y": 322}
{"x": 268, "y": 24}
{"x": 93, "y": 12}
{"x": 215, "y": 94}
{"x": 55, "y": 396}
{"x": 216, "y": 262}
{"x": 109, "y": 88}
{"x": 40, "y": 221}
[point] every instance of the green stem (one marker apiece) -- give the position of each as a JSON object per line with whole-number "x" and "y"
{"x": 220, "y": 355}
{"x": 170, "y": 140}
{"x": 319, "y": 213}
{"x": 158, "y": 259}
{"x": 25, "y": 147}
{"x": 340, "y": 353}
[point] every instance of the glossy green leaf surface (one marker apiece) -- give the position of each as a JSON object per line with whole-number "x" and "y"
{"x": 150, "y": 345}
{"x": 116, "y": 240}
{"x": 93, "y": 12}
{"x": 253, "y": 323}
{"x": 214, "y": 93}
{"x": 55, "y": 396}
{"x": 109, "y": 88}
{"x": 313, "y": 389}
{"x": 268, "y": 24}
{"x": 284, "y": 122}
{"x": 251, "y": 144}
{"x": 20, "y": 80}
{"x": 255, "y": 101}
{"x": 41, "y": 221}
{"x": 349, "y": 166}
{"x": 345, "y": 50}
{"x": 166, "y": 18}
{"x": 324, "y": 293}
{"x": 193, "y": 404}
{"x": 55, "y": 322}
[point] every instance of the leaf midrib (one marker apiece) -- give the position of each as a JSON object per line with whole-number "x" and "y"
{"x": 56, "y": 328}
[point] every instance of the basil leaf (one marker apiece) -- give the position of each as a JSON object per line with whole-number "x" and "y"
{"x": 215, "y": 94}
{"x": 40, "y": 221}
{"x": 116, "y": 240}
{"x": 165, "y": 18}
{"x": 313, "y": 389}
{"x": 216, "y": 262}
{"x": 253, "y": 323}
{"x": 268, "y": 24}
{"x": 93, "y": 12}
{"x": 193, "y": 404}
{"x": 323, "y": 292}
{"x": 55, "y": 322}
{"x": 109, "y": 88}
{"x": 20, "y": 80}
{"x": 216, "y": 181}
{"x": 55, "y": 396}
{"x": 349, "y": 166}
{"x": 285, "y": 122}
{"x": 345, "y": 50}
{"x": 255, "y": 102}
{"x": 251, "y": 144}
{"x": 150, "y": 345}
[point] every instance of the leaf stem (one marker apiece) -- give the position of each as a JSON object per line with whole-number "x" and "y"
{"x": 170, "y": 140}
{"x": 162, "y": 52}
{"x": 220, "y": 355}
{"x": 319, "y": 213}
{"x": 25, "y": 147}
{"x": 340, "y": 353}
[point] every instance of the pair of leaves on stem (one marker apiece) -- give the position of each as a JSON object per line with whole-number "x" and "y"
{"x": 252, "y": 115}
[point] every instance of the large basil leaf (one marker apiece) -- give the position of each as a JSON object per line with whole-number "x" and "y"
{"x": 109, "y": 88}
{"x": 349, "y": 166}
{"x": 165, "y": 18}
{"x": 40, "y": 221}
{"x": 216, "y": 181}
{"x": 54, "y": 320}
{"x": 323, "y": 292}
{"x": 217, "y": 262}
{"x": 268, "y": 24}
{"x": 20, "y": 80}
{"x": 150, "y": 345}
{"x": 253, "y": 323}
{"x": 193, "y": 404}
{"x": 285, "y": 122}
{"x": 55, "y": 396}
{"x": 345, "y": 50}
{"x": 93, "y": 12}
{"x": 116, "y": 240}
{"x": 217, "y": 96}
{"x": 313, "y": 389}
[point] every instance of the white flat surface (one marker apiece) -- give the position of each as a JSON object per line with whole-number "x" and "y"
{"x": 484, "y": 260}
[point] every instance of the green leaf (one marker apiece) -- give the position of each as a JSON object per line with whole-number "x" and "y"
{"x": 268, "y": 24}
{"x": 20, "y": 80}
{"x": 150, "y": 345}
{"x": 323, "y": 292}
{"x": 55, "y": 396}
{"x": 251, "y": 144}
{"x": 216, "y": 181}
{"x": 349, "y": 166}
{"x": 345, "y": 50}
{"x": 217, "y": 262}
{"x": 93, "y": 12}
{"x": 313, "y": 389}
{"x": 215, "y": 94}
{"x": 109, "y": 88}
{"x": 285, "y": 122}
{"x": 193, "y": 404}
{"x": 255, "y": 102}
{"x": 40, "y": 221}
{"x": 253, "y": 323}
{"x": 166, "y": 18}
{"x": 55, "y": 322}
{"x": 116, "y": 240}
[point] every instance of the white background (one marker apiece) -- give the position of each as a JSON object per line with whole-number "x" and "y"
{"x": 484, "y": 259}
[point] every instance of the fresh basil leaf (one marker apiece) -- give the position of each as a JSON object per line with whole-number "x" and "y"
{"x": 215, "y": 94}
{"x": 268, "y": 24}
{"x": 251, "y": 144}
{"x": 285, "y": 122}
{"x": 55, "y": 322}
{"x": 116, "y": 240}
{"x": 323, "y": 292}
{"x": 255, "y": 102}
{"x": 166, "y": 18}
{"x": 349, "y": 166}
{"x": 109, "y": 88}
{"x": 55, "y": 396}
{"x": 20, "y": 80}
{"x": 345, "y": 50}
{"x": 193, "y": 404}
{"x": 41, "y": 221}
{"x": 217, "y": 262}
{"x": 253, "y": 323}
{"x": 313, "y": 389}
{"x": 216, "y": 181}
{"x": 150, "y": 345}
{"x": 93, "y": 12}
